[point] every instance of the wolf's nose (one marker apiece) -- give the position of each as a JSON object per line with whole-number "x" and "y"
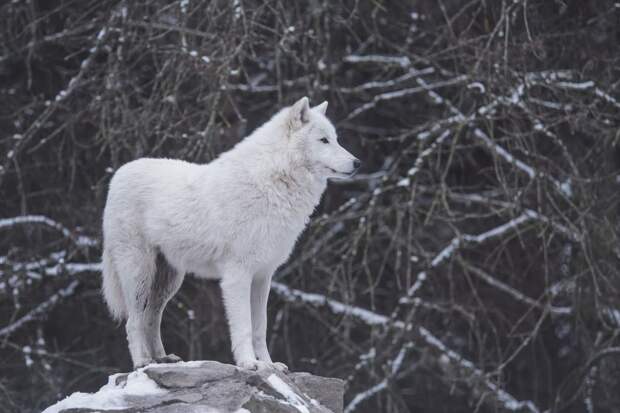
{"x": 356, "y": 163}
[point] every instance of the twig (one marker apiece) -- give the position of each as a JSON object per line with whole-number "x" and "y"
{"x": 40, "y": 309}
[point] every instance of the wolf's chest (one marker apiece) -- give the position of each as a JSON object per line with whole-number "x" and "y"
{"x": 269, "y": 238}
{"x": 281, "y": 230}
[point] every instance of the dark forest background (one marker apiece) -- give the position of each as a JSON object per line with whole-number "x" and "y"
{"x": 471, "y": 266}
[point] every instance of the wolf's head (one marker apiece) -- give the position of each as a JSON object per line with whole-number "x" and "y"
{"x": 315, "y": 143}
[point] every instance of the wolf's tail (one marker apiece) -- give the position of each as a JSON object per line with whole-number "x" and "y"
{"x": 112, "y": 290}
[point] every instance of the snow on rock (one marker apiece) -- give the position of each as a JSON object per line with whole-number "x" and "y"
{"x": 112, "y": 395}
{"x": 291, "y": 397}
{"x": 208, "y": 387}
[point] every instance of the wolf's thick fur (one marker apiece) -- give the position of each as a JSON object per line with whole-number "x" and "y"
{"x": 236, "y": 218}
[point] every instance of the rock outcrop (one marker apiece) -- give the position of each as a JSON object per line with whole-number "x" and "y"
{"x": 208, "y": 387}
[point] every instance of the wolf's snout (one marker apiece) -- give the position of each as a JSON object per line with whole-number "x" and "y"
{"x": 356, "y": 163}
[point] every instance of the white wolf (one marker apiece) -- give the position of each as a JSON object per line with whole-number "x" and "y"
{"x": 236, "y": 218}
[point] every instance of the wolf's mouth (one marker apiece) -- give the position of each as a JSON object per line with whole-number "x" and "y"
{"x": 350, "y": 173}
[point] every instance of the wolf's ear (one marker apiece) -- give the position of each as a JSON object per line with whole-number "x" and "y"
{"x": 300, "y": 113}
{"x": 322, "y": 108}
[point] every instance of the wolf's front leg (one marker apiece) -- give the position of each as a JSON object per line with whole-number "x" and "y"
{"x": 236, "y": 286}
{"x": 260, "y": 294}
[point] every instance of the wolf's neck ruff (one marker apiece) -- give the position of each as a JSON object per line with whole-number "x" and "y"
{"x": 270, "y": 161}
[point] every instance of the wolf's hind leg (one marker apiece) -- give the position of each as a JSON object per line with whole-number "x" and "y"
{"x": 148, "y": 284}
{"x": 136, "y": 268}
{"x": 166, "y": 283}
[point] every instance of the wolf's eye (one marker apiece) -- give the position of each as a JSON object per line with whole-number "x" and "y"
{"x": 324, "y": 140}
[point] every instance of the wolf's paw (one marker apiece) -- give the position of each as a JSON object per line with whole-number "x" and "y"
{"x": 168, "y": 358}
{"x": 142, "y": 363}
{"x": 253, "y": 365}
{"x": 280, "y": 367}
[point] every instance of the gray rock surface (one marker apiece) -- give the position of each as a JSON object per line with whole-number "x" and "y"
{"x": 212, "y": 387}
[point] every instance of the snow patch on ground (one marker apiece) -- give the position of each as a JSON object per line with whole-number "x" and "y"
{"x": 110, "y": 396}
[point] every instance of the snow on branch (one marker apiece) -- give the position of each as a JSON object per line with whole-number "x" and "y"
{"x": 62, "y": 95}
{"x": 387, "y": 83}
{"x": 73, "y": 268}
{"x": 421, "y": 157}
{"x": 36, "y": 269}
{"x": 560, "y": 78}
{"x": 571, "y": 233}
{"x": 402, "y": 61}
{"x": 253, "y": 85}
{"x": 80, "y": 241}
{"x": 465, "y": 369}
{"x": 318, "y": 300}
{"x": 499, "y": 150}
{"x": 404, "y": 92}
{"x": 528, "y": 170}
{"x": 367, "y": 394}
{"x": 606, "y": 97}
{"x": 515, "y": 99}
{"x": 497, "y": 231}
{"x": 383, "y": 384}
{"x": 457, "y": 242}
{"x": 41, "y": 309}
{"x": 39, "y": 219}
{"x": 476, "y": 379}
{"x": 516, "y": 294}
